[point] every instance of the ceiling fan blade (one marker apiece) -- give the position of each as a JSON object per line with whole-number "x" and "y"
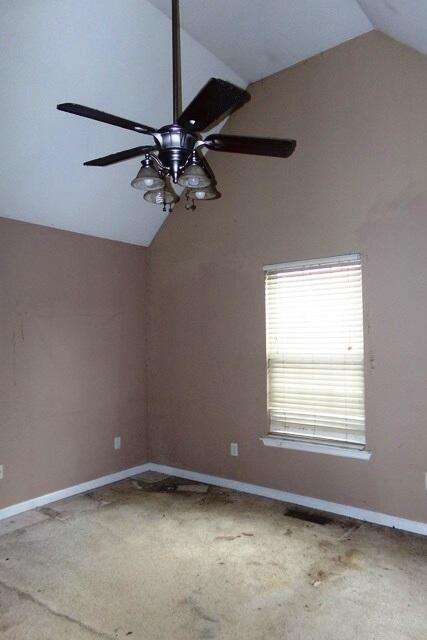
{"x": 273, "y": 147}
{"x": 215, "y": 100}
{"x": 118, "y": 157}
{"x": 101, "y": 116}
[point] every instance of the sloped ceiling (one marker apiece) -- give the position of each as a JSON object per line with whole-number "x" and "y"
{"x": 115, "y": 56}
{"x": 403, "y": 20}
{"x": 259, "y": 37}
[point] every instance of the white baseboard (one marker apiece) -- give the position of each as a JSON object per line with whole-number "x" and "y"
{"x": 14, "y": 509}
{"x": 365, "y": 515}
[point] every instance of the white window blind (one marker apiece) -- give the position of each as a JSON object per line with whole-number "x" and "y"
{"x": 315, "y": 350}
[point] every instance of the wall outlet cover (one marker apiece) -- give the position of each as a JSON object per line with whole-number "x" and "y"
{"x": 234, "y": 449}
{"x": 117, "y": 442}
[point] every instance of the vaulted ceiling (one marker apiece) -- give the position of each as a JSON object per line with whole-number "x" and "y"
{"x": 259, "y": 37}
{"x": 403, "y": 20}
{"x": 115, "y": 56}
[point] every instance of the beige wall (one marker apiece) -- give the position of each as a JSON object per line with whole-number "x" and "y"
{"x": 72, "y": 358}
{"x": 357, "y": 182}
{"x": 73, "y": 309}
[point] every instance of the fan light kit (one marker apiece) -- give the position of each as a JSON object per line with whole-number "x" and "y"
{"x": 176, "y": 153}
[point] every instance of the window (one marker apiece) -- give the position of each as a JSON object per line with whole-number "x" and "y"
{"x": 315, "y": 351}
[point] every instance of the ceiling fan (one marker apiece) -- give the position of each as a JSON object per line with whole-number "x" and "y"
{"x": 176, "y": 151}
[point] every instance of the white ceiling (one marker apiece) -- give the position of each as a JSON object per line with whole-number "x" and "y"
{"x": 259, "y": 37}
{"x": 114, "y": 55}
{"x": 403, "y": 20}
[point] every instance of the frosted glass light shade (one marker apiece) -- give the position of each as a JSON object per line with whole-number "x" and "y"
{"x": 147, "y": 178}
{"x": 161, "y": 196}
{"x": 208, "y": 193}
{"x": 194, "y": 177}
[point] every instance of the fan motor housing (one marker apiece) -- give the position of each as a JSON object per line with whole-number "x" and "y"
{"x": 176, "y": 145}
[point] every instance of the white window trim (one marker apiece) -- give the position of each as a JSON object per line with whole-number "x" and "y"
{"x": 319, "y": 262}
{"x": 287, "y": 441}
{"x": 344, "y": 451}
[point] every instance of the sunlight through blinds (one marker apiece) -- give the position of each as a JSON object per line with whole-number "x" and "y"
{"x": 315, "y": 350}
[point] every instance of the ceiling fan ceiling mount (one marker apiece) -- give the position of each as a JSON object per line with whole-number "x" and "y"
{"x": 177, "y": 147}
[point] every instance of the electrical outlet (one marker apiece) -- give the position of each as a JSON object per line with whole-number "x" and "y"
{"x": 234, "y": 449}
{"x": 117, "y": 442}
{"x": 426, "y": 481}
{"x": 1, "y": 472}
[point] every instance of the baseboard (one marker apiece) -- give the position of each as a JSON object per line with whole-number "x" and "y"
{"x": 14, "y": 509}
{"x": 348, "y": 511}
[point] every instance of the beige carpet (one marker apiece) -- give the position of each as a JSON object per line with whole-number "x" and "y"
{"x": 145, "y": 561}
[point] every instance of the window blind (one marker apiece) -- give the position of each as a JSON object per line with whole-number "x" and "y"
{"x": 314, "y": 316}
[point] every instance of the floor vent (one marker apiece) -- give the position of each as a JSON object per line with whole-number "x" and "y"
{"x": 308, "y": 516}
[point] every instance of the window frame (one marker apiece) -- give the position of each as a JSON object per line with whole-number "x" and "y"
{"x": 313, "y": 443}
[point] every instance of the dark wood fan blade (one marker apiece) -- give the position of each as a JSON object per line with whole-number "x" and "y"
{"x": 217, "y": 99}
{"x": 255, "y": 146}
{"x": 118, "y": 157}
{"x": 101, "y": 116}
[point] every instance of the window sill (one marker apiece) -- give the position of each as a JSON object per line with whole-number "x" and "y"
{"x": 316, "y": 447}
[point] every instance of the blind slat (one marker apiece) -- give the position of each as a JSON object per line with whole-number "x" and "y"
{"x": 315, "y": 350}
